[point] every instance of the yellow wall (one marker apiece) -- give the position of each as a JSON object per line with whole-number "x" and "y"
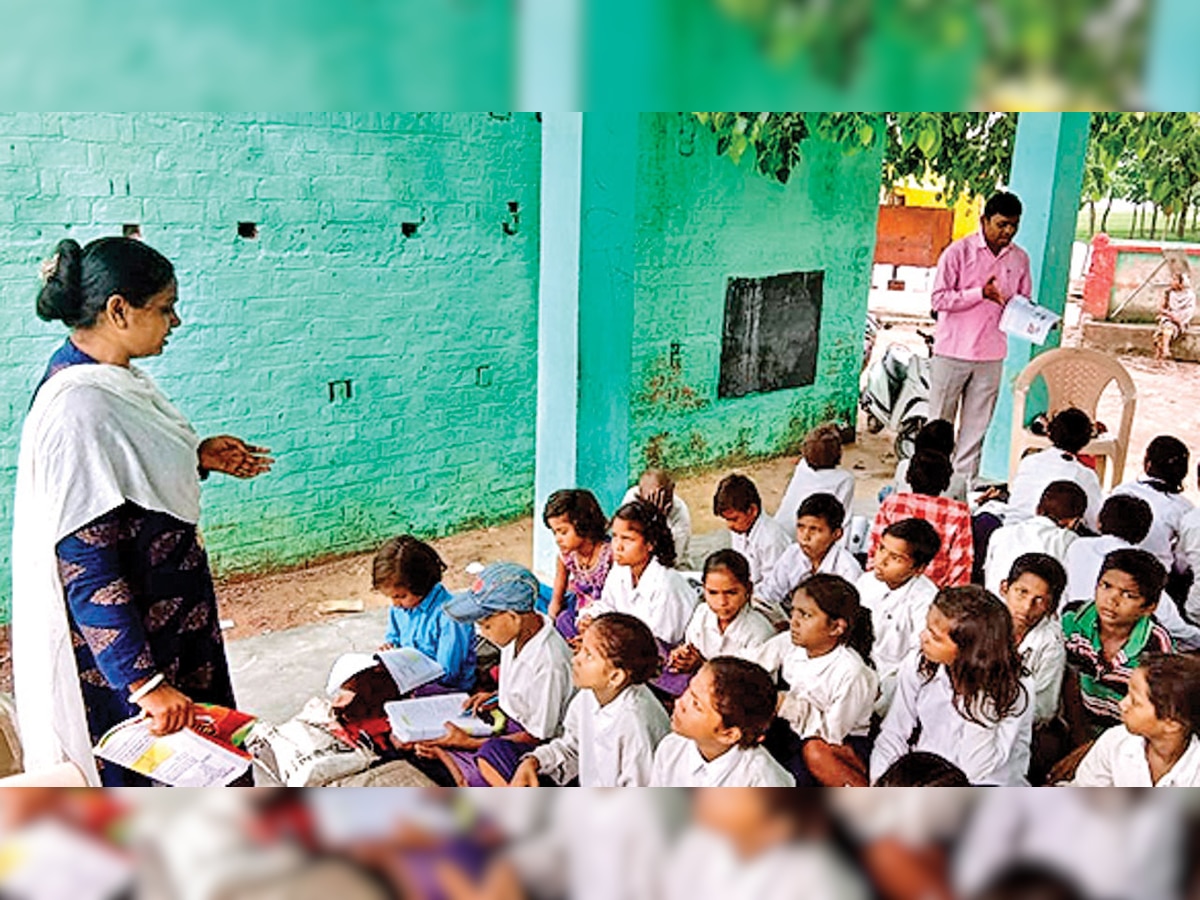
{"x": 966, "y": 211}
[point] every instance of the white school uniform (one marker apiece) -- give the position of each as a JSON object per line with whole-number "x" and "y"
{"x": 607, "y": 746}
{"x": 1036, "y": 535}
{"x": 1169, "y": 512}
{"x": 1037, "y": 471}
{"x": 1044, "y": 652}
{"x": 992, "y": 754}
{"x": 1118, "y": 759}
{"x": 1085, "y": 558}
{"x": 705, "y": 866}
{"x": 679, "y": 521}
{"x": 536, "y": 684}
{"x": 678, "y": 763}
{"x": 807, "y": 481}
{"x": 762, "y": 545}
{"x": 794, "y": 566}
{"x": 748, "y": 629}
{"x": 898, "y": 617}
{"x": 829, "y": 697}
{"x": 662, "y": 599}
{"x": 1188, "y": 552}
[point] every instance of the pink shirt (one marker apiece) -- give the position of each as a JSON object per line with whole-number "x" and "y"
{"x": 968, "y": 324}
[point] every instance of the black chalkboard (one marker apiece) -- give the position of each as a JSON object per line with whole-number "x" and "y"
{"x": 771, "y": 329}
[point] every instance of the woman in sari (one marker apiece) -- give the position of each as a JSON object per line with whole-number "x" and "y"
{"x": 114, "y": 612}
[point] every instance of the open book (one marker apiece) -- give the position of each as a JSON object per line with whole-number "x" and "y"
{"x": 409, "y": 668}
{"x": 425, "y": 718}
{"x": 209, "y": 754}
{"x": 49, "y": 860}
{"x": 1024, "y": 319}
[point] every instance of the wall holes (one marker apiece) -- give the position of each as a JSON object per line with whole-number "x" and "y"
{"x": 675, "y": 359}
{"x": 408, "y": 229}
{"x": 483, "y": 376}
{"x": 247, "y": 230}
{"x": 342, "y": 388}
{"x": 131, "y": 230}
{"x": 512, "y": 224}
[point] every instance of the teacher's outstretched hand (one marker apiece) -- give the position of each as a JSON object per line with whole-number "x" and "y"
{"x": 233, "y": 456}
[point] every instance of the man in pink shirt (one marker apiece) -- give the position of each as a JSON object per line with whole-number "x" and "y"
{"x": 976, "y": 276}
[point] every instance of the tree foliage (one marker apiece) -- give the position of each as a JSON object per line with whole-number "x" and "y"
{"x": 969, "y": 152}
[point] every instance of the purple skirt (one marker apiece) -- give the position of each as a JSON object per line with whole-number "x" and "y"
{"x": 503, "y": 755}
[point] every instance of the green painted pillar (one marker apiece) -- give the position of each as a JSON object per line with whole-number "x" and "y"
{"x": 1047, "y": 174}
{"x": 1172, "y": 63}
{"x": 585, "y": 328}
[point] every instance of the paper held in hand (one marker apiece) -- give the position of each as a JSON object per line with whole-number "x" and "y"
{"x": 425, "y": 718}
{"x": 1024, "y": 319}
{"x": 209, "y": 754}
{"x": 409, "y": 668}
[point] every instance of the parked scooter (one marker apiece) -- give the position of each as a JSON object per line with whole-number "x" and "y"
{"x": 895, "y": 393}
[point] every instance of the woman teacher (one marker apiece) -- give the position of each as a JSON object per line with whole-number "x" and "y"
{"x": 114, "y": 611}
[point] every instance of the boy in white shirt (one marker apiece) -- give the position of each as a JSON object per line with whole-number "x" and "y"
{"x": 535, "y": 678}
{"x": 899, "y": 595}
{"x": 1157, "y": 744}
{"x": 1166, "y": 467}
{"x": 756, "y": 536}
{"x": 718, "y": 726}
{"x": 657, "y": 487}
{"x": 817, "y": 472}
{"x": 1124, "y": 523}
{"x": 1051, "y": 531}
{"x": 1069, "y": 431}
{"x": 817, "y": 549}
{"x": 1187, "y": 553}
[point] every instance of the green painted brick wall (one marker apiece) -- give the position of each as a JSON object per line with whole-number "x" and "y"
{"x": 435, "y": 331}
{"x": 701, "y": 220}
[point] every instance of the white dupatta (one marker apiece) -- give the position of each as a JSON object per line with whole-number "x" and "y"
{"x": 97, "y": 436}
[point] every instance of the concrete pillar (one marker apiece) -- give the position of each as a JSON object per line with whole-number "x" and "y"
{"x": 1172, "y": 63}
{"x": 1047, "y": 174}
{"x": 585, "y": 302}
{"x": 550, "y": 52}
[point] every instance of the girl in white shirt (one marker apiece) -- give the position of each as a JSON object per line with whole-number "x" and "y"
{"x": 718, "y": 726}
{"x": 1166, "y": 466}
{"x": 614, "y": 723}
{"x": 1069, "y": 431}
{"x": 965, "y": 695}
{"x": 820, "y": 734}
{"x": 642, "y": 581}
{"x": 817, "y": 472}
{"x": 725, "y": 624}
{"x": 1157, "y": 744}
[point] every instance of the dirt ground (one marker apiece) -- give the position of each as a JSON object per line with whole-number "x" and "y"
{"x": 1168, "y": 396}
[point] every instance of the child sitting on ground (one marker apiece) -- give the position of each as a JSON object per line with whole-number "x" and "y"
{"x": 1124, "y": 523}
{"x": 1157, "y": 742}
{"x": 756, "y": 536}
{"x": 1051, "y": 532}
{"x": 817, "y": 472}
{"x": 718, "y": 726}
{"x": 936, "y": 434}
{"x": 928, "y": 476}
{"x": 409, "y": 573}
{"x": 1107, "y": 639}
{"x": 657, "y": 488}
{"x": 615, "y": 723}
{"x": 1069, "y": 432}
{"x": 643, "y": 581}
{"x": 820, "y": 733}
{"x": 817, "y": 549}
{"x": 726, "y": 623}
{"x": 1187, "y": 553}
{"x": 1032, "y": 590}
{"x": 898, "y": 595}
{"x": 535, "y": 679}
{"x": 1166, "y": 465}
{"x": 964, "y": 695}
{"x": 584, "y": 555}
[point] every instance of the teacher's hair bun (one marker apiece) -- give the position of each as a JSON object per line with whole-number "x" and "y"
{"x": 61, "y": 297}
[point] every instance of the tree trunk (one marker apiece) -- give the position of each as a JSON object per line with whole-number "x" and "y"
{"x": 1091, "y": 218}
{"x": 1135, "y": 227}
{"x": 1182, "y": 222}
{"x": 1104, "y": 215}
{"x": 1154, "y": 222}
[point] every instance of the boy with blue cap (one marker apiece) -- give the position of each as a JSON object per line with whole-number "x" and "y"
{"x": 535, "y": 678}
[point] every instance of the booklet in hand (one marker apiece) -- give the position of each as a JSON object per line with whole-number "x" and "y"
{"x": 409, "y": 668}
{"x": 1024, "y": 319}
{"x": 425, "y": 718}
{"x": 209, "y": 754}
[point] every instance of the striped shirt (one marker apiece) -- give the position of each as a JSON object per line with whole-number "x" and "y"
{"x": 1104, "y": 683}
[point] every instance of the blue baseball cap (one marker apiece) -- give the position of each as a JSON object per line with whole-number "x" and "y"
{"x": 500, "y": 587}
